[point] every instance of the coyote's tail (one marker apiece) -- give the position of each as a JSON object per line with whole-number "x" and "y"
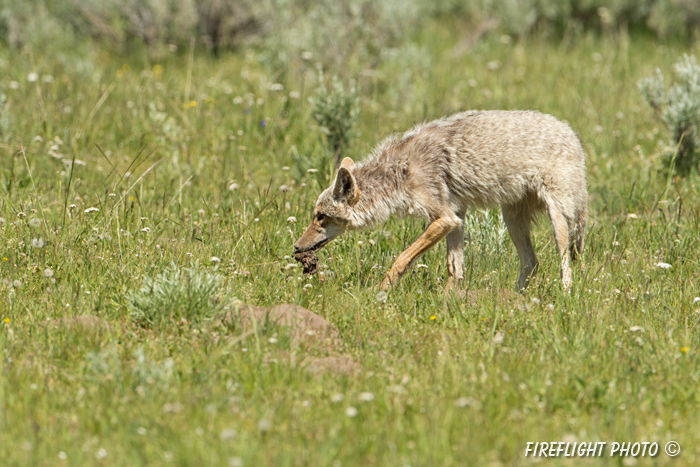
{"x": 576, "y": 247}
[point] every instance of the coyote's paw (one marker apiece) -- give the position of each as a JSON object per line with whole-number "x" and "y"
{"x": 453, "y": 283}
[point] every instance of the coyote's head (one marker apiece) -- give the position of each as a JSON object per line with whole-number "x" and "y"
{"x": 333, "y": 211}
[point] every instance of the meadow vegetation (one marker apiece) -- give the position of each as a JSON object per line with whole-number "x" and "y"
{"x": 156, "y": 187}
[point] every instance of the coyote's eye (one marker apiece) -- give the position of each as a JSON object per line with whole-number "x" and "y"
{"x": 320, "y": 217}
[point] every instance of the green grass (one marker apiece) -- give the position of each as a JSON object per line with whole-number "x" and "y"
{"x": 182, "y": 169}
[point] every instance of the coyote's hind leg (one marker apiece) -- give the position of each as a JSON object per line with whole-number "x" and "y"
{"x": 560, "y": 227}
{"x": 518, "y": 219}
{"x": 455, "y": 257}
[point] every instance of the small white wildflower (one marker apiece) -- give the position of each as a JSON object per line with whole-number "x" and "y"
{"x": 550, "y": 307}
{"x": 257, "y": 219}
{"x": 306, "y": 55}
{"x": 201, "y": 212}
{"x": 142, "y": 431}
{"x": 101, "y": 453}
{"x": 285, "y": 168}
{"x": 35, "y": 222}
{"x": 17, "y": 284}
{"x": 308, "y": 286}
{"x": 92, "y": 209}
{"x": 337, "y": 397}
{"x": 47, "y": 79}
{"x": 535, "y": 301}
{"x": 465, "y": 402}
{"x": 291, "y": 266}
{"x": 14, "y": 85}
{"x": 498, "y": 338}
{"x": 72, "y": 206}
{"x": 276, "y": 87}
{"x": 48, "y": 272}
{"x": 272, "y": 340}
{"x": 696, "y": 300}
{"x": 214, "y": 259}
{"x": 351, "y": 412}
{"x": 382, "y": 297}
{"x": 37, "y": 243}
{"x": 663, "y": 265}
{"x": 233, "y": 186}
{"x": 366, "y": 396}
{"x": 632, "y": 216}
{"x": 227, "y": 434}
{"x": 235, "y": 462}
{"x": 292, "y": 220}
{"x": 312, "y": 171}
{"x": 284, "y": 188}
{"x": 62, "y": 455}
{"x": 146, "y": 229}
{"x": 636, "y": 329}
{"x": 21, "y": 215}
{"x": 294, "y": 95}
{"x": 32, "y": 77}
{"x": 264, "y": 425}
{"x": 2, "y": 221}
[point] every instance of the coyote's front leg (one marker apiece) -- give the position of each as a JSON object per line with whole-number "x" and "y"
{"x": 435, "y": 232}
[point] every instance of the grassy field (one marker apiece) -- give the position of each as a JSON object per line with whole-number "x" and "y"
{"x": 115, "y": 169}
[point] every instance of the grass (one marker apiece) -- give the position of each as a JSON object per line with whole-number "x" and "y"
{"x": 183, "y": 161}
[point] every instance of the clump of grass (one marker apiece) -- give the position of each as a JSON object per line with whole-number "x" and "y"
{"x": 336, "y": 110}
{"x": 175, "y": 294}
{"x": 678, "y": 107}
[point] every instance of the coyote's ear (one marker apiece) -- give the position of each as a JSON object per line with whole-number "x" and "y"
{"x": 347, "y": 163}
{"x": 345, "y": 186}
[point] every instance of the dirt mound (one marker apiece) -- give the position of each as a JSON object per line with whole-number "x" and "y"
{"x": 304, "y": 324}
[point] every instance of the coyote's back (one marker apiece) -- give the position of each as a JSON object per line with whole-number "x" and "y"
{"x": 521, "y": 160}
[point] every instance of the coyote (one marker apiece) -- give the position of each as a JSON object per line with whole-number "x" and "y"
{"x": 524, "y": 161}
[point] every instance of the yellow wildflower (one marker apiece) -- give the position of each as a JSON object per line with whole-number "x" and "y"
{"x": 433, "y": 318}
{"x": 685, "y": 349}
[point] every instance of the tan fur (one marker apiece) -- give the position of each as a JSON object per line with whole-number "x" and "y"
{"x": 524, "y": 161}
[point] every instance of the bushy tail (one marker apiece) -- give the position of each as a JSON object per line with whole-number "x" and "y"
{"x": 576, "y": 247}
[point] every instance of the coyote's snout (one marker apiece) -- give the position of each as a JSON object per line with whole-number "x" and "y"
{"x": 525, "y": 162}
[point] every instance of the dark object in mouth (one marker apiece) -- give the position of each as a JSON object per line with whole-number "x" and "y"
{"x": 308, "y": 260}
